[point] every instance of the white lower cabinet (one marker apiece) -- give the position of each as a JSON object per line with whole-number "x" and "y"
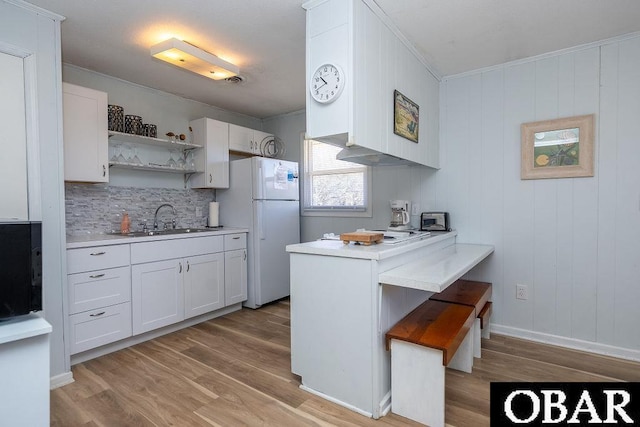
{"x": 157, "y": 294}
{"x": 168, "y": 291}
{"x": 99, "y": 327}
{"x": 117, "y": 291}
{"x": 100, "y": 288}
{"x": 204, "y": 284}
{"x": 235, "y": 268}
{"x": 99, "y": 295}
{"x": 235, "y": 276}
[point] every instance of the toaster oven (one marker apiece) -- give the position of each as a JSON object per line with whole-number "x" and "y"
{"x": 434, "y": 221}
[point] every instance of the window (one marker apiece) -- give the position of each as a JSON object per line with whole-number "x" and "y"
{"x": 334, "y": 187}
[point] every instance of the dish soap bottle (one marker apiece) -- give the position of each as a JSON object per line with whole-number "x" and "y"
{"x": 125, "y": 224}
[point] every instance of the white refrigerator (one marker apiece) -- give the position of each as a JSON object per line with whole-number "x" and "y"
{"x": 263, "y": 196}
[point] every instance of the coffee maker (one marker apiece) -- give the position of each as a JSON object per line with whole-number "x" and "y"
{"x": 399, "y": 215}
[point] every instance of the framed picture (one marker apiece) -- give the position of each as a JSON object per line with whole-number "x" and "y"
{"x": 406, "y": 114}
{"x": 560, "y": 148}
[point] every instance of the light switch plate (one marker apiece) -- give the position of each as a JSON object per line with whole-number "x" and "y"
{"x": 415, "y": 209}
{"x": 522, "y": 291}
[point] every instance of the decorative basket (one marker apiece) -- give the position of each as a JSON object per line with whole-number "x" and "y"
{"x": 150, "y": 130}
{"x": 116, "y": 118}
{"x": 133, "y": 124}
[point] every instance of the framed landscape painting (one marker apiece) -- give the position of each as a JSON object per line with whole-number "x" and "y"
{"x": 406, "y": 115}
{"x": 560, "y": 148}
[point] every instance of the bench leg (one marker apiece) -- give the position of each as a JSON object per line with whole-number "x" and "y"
{"x": 463, "y": 359}
{"x": 486, "y": 331}
{"x": 417, "y": 383}
{"x": 477, "y": 347}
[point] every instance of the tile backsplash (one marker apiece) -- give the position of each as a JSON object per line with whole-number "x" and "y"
{"x": 98, "y": 208}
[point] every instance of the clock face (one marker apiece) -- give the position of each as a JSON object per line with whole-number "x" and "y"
{"x": 327, "y": 83}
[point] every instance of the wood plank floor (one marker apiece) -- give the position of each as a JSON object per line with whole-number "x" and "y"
{"x": 235, "y": 371}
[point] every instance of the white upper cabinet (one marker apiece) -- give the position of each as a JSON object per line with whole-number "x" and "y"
{"x": 86, "y": 143}
{"x": 240, "y": 139}
{"x": 259, "y": 140}
{"x": 375, "y": 63}
{"x": 213, "y": 158}
{"x": 245, "y": 140}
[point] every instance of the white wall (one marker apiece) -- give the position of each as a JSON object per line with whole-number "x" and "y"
{"x": 13, "y": 141}
{"x": 574, "y": 242}
{"x": 37, "y": 33}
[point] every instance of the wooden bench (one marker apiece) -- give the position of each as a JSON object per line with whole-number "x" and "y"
{"x": 434, "y": 335}
{"x": 473, "y": 294}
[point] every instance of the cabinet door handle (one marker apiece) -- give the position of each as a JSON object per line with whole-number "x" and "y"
{"x": 188, "y": 266}
{"x": 180, "y": 264}
{"x": 97, "y": 314}
{"x": 236, "y": 238}
{"x": 245, "y": 256}
{"x": 104, "y": 170}
{"x": 96, "y": 276}
{"x": 210, "y": 178}
{"x": 97, "y": 253}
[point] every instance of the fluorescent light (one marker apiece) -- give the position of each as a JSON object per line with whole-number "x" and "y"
{"x": 189, "y": 57}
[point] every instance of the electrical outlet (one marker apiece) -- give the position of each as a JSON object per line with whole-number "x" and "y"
{"x": 415, "y": 209}
{"x": 198, "y": 211}
{"x": 522, "y": 292}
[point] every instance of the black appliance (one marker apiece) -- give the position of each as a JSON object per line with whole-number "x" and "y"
{"x": 20, "y": 268}
{"x": 435, "y": 221}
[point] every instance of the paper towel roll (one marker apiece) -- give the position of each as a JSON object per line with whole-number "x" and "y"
{"x": 214, "y": 209}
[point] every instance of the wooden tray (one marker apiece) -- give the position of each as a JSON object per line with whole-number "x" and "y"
{"x": 364, "y": 237}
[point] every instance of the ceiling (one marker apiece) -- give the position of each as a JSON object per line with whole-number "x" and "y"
{"x": 266, "y": 39}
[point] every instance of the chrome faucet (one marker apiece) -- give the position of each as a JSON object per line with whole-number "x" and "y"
{"x": 155, "y": 216}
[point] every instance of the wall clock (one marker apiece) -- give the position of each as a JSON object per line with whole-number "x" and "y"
{"x": 327, "y": 83}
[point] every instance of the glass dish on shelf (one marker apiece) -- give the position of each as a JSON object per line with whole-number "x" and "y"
{"x": 171, "y": 163}
{"x": 181, "y": 163}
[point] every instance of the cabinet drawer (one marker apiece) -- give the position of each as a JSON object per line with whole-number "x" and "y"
{"x": 101, "y": 288}
{"x": 175, "y": 248}
{"x": 235, "y": 241}
{"x": 99, "y": 327}
{"x": 97, "y": 258}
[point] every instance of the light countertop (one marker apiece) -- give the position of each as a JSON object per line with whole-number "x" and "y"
{"x": 103, "y": 239}
{"x": 22, "y": 327}
{"x": 375, "y": 251}
{"x": 438, "y": 270}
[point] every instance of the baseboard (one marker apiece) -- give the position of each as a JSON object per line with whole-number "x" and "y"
{"x": 385, "y": 405}
{"x": 576, "y": 344}
{"x": 60, "y": 380}
{"x": 337, "y": 401}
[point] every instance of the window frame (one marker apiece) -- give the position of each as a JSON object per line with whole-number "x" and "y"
{"x": 331, "y": 211}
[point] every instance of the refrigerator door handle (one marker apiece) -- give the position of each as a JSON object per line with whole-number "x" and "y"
{"x": 260, "y": 214}
{"x": 260, "y": 187}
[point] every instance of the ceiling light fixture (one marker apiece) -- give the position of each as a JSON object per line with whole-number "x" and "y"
{"x": 187, "y": 56}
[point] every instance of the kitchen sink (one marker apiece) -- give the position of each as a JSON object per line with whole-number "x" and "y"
{"x": 167, "y": 232}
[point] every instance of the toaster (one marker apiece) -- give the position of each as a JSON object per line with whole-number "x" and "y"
{"x": 434, "y": 221}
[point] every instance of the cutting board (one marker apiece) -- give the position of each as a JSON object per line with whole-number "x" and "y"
{"x": 364, "y": 237}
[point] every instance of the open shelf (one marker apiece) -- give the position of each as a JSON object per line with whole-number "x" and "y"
{"x": 147, "y": 140}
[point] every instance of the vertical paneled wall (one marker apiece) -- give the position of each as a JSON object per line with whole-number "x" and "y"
{"x": 574, "y": 242}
